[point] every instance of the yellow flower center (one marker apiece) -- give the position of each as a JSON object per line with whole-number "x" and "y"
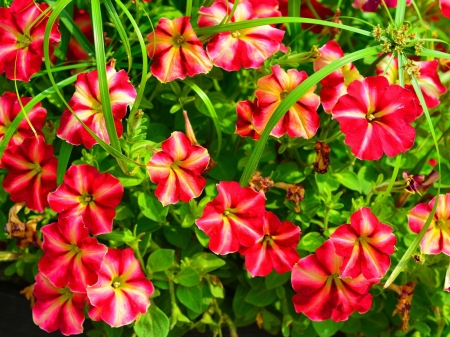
{"x": 284, "y": 94}
{"x": 226, "y": 213}
{"x": 115, "y": 284}
{"x": 180, "y": 40}
{"x": 235, "y": 34}
{"x": 24, "y": 41}
{"x": 86, "y": 199}
{"x": 370, "y": 117}
{"x": 442, "y": 223}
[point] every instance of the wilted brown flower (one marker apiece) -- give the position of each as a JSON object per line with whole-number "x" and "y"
{"x": 28, "y": 292}
{"x": 332, "y": 31}
{"x": 24, "y": 232}
{"x": 404, "y": 302}
{"x": 259, "y": 183}
{"x": 323, "y": 157}
{"x": 294, "y": 192}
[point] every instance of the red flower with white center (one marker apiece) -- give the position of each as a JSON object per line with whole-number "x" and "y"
{"x": 10, "y": 108}
{"x": 276, "y": 248}
{"x": 245, "y": 126}
{"x": 265, "y": 8}
{"x": 437, "y": 236}
{"x": 22, "y": 39}
{"x": 375, "y": 118}
{"x": 71, "y": 258}
{"x": 176, "y": 50}
{"x": 302, "y": 119}
{"x": 88, "y": 194}
{"x": 32, "y": 173}
{"x": 445, "y": 7}
{"x": 233, "y": 218}
{"x": 322, "y": 292}
{"x": 372, "y": 5}
{"x": 57, "y": 308}
{"x": 428, "y": 79}
{"x": 87, "y": 105}
{"x": 244, "y": 48}
{"x": 122, "y": 291}
{"x": 322, "y": 11}
{"x": 365, "y": 245}
{"x": 334, "y": 85}
{"x": 177, "y": 169}
{"x": 83, "y": 20}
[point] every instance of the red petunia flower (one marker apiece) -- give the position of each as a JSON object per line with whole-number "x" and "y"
{"x": 275, "y": 249}
{"x": 87, "y": 105}
{"x": 71, "y": 258}
{"x": 375, "y": 118}
{"x": 322, "y": 292}
{"x": 265, "y": 8}
{"x": 245, "y": 126}
{"x": 233, "y": 218}
{"x": 365, "y": 245}
{"x": 83, "y": 20}
{"x": 122, "y": 291}
{"x": 437, "y": 236}
{"x": 176, "y": 50}
{"x": 245, "y": 48}
{"x": 334, "y": 85}
{"x": 88, "y": 194}
{"x": 302, "y": 119}
{"x": 177, "y": 169}
{"x": 445, "y": 7}
{"x": 32, "y": 173}
{"x": 22, "y": 39}
{"x": 372, "y": 5}
{"x": 57, "y": 308}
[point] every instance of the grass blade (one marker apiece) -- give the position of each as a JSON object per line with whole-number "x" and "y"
{"x": 63, "y": 161}
{"x": 294, "y": 11}
{"x": 400, "y": 12}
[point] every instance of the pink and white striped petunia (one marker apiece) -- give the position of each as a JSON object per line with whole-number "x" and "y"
{"x": 302, "y": 119}
{"x": 428, "y": 78}
{"x": 445, "y": 7}
{"x": 365, "y": 245}
{"x": 32, "y": 173}
{"x": 87, "y": 105}
{"x": 88, "y": 194}
{"x": 372, "y": 5}
{"x": 71, "y": 258}
{"x": 322, "y": 292}
{"x": 265, "y": 8}
{"x": 437, "y": 236}
{"x": 245, "y": 126}
{"x": 57, "y": 308}
{"x": 375, "y": 118}
{"x": 233, "y": 218}
{"x": 244, "y": 48}
{"x": 176, "y": 50}
{"x": 177, "y": 169}
{"x": 22, "y": 39}
{"x": 275, "y": 249}
{"x": 334, "y": 85}
{"x": 122, "y": 291}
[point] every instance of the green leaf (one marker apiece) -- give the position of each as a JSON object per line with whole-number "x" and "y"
{"x": 154, "y": 323}
{"x": 188, "y": 276}
{"x": 327, "y": 328}
{"x": 204, "y": 263}
{"x": 240, "y": 307}
{"x": 178, "y": 236}
{"x": 161, "y": 260}
{"x": 350, "y": 180}
{"x": 274, "y": 279}
{"x": 191, "y": 297}
{"x": 261, "y": 296}
{"x": 63, "y": 161}
{"x": 311, "y": 241}
{"x": 120, "y": 236}
{"x": 152, "y": 208}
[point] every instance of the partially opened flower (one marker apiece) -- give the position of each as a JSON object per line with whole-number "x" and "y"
{"x": 233, "y": 218}
{"x": 177, "y": 169}
{"x": 88, "y": 194}
{"x": 32, "y": 173}
{"x": 176, "y": 50}
{"x": 375, "y": 118}
{"x": 57, "y": 308}
{"x": 87, "y": 105}
{"x": 22, "y": 39}
{"x": 122, "y": 291}
{"x": 275, "y": 249}
{"x": 437, "y": 236}
{"x": 71, "y": 258}
{"x": 322, "y": 292}
{"x": 245, "y": 126}
{"x": 445, "y": 7}
{"x": 372, "y": 5}
{"x": 302, "y": 119}
{"x": 365, "y": 245}
{"x": 334, "y": 85}
{"x": 244, "y": 48}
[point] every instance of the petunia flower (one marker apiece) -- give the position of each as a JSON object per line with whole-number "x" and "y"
{"x": 10, "y": 108}
{"x": 275, "y": 249}
{"x": 445, "y": 7}
{"x": 244, "y": 48}
{"x": 32, "y": 172}
{"x": 265, "y": 8}
{"x": 57, "y": 308}
{"x": 71, "y": 258}
{"x": 437, "y": 236}
{"x": 122, "y": 291}
{"x": 176, "y": 50}
{"x": 88, "y": 194}
{"x": 87, "y": 105}
{"x": 375, "y": 118}
{"x": 372, "y": 5}
{"x": 428, "y": 78}
{"x": 334, "y": 85}
{"x": 82, "y": 19}
{"x": 322, "y": 292}
{"x": 22, "y": 39}
{"x": 177, "y": 169}
{"x": 233, "y": 218}
{"x": 302, "y": 119}
{"x": 245, "y": 126}
{"x": 365, "y": 245}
